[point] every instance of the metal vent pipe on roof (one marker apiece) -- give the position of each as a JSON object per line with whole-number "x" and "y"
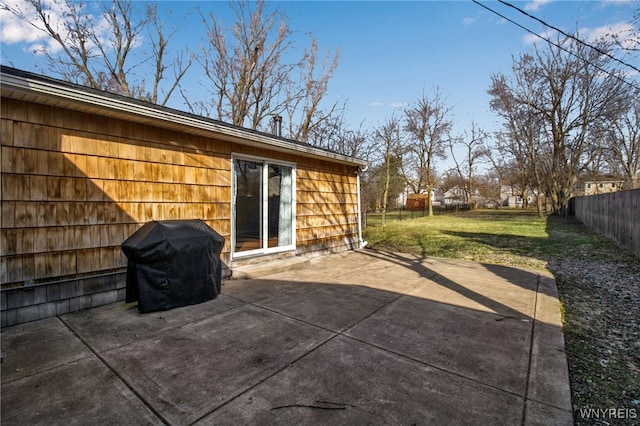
{"x": 276, "y": 125}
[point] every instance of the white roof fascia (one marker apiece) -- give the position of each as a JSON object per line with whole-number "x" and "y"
{"x": 74, "y": 93}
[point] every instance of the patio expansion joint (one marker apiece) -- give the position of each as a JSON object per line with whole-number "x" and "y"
{"x": 340, "y": 332}
{"x": 531, "y": 343}
{"x": 53, "y": 367}
{"x": 344, "y": 333}
{"x": 332, "y": 337}
{"x": 439, "y": 368}
{"x": 539, "y": 282}
{"x": 115, "y": 372}
{"x": 436, "y": 367}
{"x": 278, "y": 371}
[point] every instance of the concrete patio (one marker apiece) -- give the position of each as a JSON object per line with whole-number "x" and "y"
{"x": 358, "y": 338}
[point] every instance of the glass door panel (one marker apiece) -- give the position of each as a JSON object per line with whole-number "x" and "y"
{"x": 248, "y": 205}
{"x": 280, "y": 211}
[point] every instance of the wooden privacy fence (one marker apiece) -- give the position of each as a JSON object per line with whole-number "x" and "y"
{"x": 615, "y": 215}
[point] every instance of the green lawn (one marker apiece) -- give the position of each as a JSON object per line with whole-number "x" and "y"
{"x": 508, "y": 236}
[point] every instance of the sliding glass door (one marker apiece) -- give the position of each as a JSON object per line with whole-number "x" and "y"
{"x": 263, "y": 206}
{"x": 248, "y": 205}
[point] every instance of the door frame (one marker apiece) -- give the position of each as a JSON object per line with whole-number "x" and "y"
{"x": 265, "y": 249}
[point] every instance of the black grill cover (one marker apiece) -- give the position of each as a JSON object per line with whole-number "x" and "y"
{"x": 173, "y": 263}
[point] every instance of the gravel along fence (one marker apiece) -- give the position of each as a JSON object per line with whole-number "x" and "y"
{"x": 601, "y": 309}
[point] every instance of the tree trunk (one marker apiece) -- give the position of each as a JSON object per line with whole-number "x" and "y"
{"x": 429, "y": 200}
{"x": 539, "y": 204}
{"x": 385, "y": 192}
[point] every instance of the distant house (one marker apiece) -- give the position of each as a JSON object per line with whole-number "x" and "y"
{"x": 401, "y": 199}
{"x": 83, "y": 169}
{"x": 512, "y": 196}
{"x": 597, "y": 185}
{"x": 454, "y": 196}
{"x": 490, "y": 204}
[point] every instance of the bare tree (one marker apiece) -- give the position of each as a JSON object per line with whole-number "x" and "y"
{"x": 247, "y": 70}
{"x": 304, "y": 100}
{"x": 105, "y": 52}
{"x": 623, "y": 143}
{"x": 427, "y": 123}
{"x": 488, "y": 184}
{"x": 570, "y": 99}
{"x": 252, "y": 77}
{"x": 334, "y": 134}
{"x": 628, "y": 42}
{"x": 388, "y": 139}
{"x": 473, "y": 143}
{"x": 520, "y": 141}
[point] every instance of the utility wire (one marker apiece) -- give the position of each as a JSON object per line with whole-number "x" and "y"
{"x": 609, "y": 73}
{"x": 597, "y": 49}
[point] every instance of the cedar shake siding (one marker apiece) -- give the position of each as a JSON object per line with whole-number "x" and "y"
{"x": 82, "y": 170}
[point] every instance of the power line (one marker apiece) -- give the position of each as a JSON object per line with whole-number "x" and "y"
{"x": 548, "y": 40}
{"x": 597, "y": 49}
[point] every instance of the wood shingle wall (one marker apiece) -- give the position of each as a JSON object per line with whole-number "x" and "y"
{"x": 76, "y": 185}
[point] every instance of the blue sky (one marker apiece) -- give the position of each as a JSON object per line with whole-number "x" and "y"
{"x": 393, "y": 51}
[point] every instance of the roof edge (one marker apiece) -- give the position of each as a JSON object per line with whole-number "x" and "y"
{"x": 30, "y": 83}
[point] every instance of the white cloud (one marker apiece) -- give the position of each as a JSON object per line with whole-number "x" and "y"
{"x": 469, "y": 21}
{"x": 28, "y": 29}
{"x": 536, "y": 4}
{"x": 621, "y": 32}
{"x": 15, "y": 30}
{"x": 608, "y": 2}
{"x": 30, "y": 32}
{"x": 532, "y": 39}
{"x": 392, "y": 105}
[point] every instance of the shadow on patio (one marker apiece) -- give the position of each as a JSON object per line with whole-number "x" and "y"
{"x": 363, "y": 337}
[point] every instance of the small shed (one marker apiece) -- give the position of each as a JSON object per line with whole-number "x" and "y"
{"x": 417, "y": 202}
{"x": 83, "y": 169}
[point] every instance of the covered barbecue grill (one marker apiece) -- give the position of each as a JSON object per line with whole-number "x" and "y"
{"x": 173, "y": 263}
